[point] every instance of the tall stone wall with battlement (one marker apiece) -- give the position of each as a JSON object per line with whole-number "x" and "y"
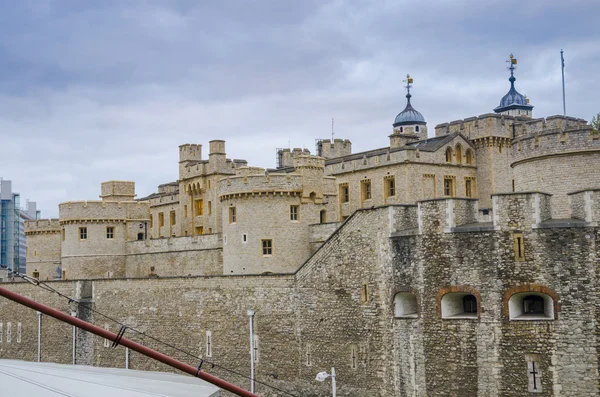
{"x": 340, "y": 309}
{"x": 89, "y": 248}
{"x": 178, "y": 256}
{"x": 43, "y": 248}
{"x": 556, "y": 155}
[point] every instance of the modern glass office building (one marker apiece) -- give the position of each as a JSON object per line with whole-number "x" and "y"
{"x": 13, "y": 245}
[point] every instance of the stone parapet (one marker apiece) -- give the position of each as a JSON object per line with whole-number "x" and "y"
{"x": 99, "y": 210}
{"x": 585, "y": 205}
{"x": 265, "y": 183}
{"x": 486, "y": 125}
{"x": 521, "y": 211}
{"x": 42, "y": 226}
{"x": 443, "y": 215}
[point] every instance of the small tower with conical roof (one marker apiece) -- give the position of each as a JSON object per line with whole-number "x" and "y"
{"x": 513, "y": 103}
{"x": 409, "y": 124}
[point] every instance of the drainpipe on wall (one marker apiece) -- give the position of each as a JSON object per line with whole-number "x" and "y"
{"x": 251, "y": 317}
{"x": 39, "y": 314}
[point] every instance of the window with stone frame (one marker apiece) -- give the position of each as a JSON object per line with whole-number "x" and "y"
{"x": 172, "y": 218}
{"x": 199, "y": 207}
{"x": 389, "y": 186}
{"x": 458, "y": 151}
{"x": 323, "y": 216}
{"x": 36, "y": 274}
{"x": 519, "y": 246}
{"x": 449, "y": 155}
{"x": 365, "y": 190}
{"x": 161, "y": 219}
{"x": 294, "y": 210}
{"x": 470, "y": 187}
{"x": 110, "y": 232}
{"x": 232, "y": 215}
{"x": 344, "y": 193}
{"x": 469, "y": 156}
{"x": 267, "y": 247}
{"x": 449, "y": 186}
{"x": 83, "y": 234}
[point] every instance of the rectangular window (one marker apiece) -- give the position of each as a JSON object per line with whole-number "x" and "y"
{"x": 244, "y": 238}
{"x": 83, "y": 233}
{"x": 199, "y": 230}
{"x": 161, "y": 219}
{"x": 36, "y": 275}
{"x": 389, "y": 186}
{"x": 344, "y": 193}
{"x": 353, "y": 357}
{"x": 449, "y": 186}
{"x": 209, "y": 345}
{"x": 294, "y": 212}
{"x": 364, "y": 293}
{"x": 172, "y": 218}
{"x": 232, "y": 215}
{"x": 267, "y": 247}
{"x": 365, "y": 190}
{"x": 199, "y": 207}
{"x": 110, "y": 232}
{"x": 519, "y": 246}
{"x": 209, "y": 208}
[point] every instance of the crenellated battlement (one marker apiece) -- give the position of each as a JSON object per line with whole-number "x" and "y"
{"x": 486, "y": 125}
{"x": 285, "y": 157}
{"x": 308, "y": 161}
{"x": 89, "y": 210}
{"x": 42, "y": 226}
{"x": 190, "y": 152}
{"x": 338, "y": 148}
{"x": 117, "y": 190}
{"x": 260, "y": 183}
{"x": 555, "y": 135}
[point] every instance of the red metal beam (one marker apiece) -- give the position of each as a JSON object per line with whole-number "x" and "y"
{"x": 146, "y": 351}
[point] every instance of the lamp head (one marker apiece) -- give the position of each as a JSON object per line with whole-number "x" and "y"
{"x": 322, "y": 376}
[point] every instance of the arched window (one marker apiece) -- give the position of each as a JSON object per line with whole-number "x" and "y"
{"x": 469, "y": 156}
{"x": 458, "y": 305}
{"x": 405, "y": 305}
{"x": 531, "y": 305}
{"x": 449, "y": 155}
{"x": 458, "y": 154}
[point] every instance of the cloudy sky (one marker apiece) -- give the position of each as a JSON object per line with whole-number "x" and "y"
{"x": 107, "y": 89}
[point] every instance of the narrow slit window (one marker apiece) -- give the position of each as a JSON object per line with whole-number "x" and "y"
{"x": 209, "y": 344}
{"x": 519, "y": 245}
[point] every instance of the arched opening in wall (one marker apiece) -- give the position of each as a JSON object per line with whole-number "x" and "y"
{"x": 457, "y": 305}
{"x": 449, "y": 155}
{"x": 458, "y": 151}
{"x": 531, "y": 306}
{"x": 405, "y": 305}
{"x": 312, "y": 196}
{"x": 323, "y": 216}
{"x": 469, "y": 156}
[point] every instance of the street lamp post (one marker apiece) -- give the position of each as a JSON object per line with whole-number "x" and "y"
{"x": 251, "y": 317}
{"x": 321, "y": 376}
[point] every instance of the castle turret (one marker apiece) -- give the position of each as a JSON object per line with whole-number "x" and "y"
{"x": 118, "y": 191}
{"x": 409, "y": 125}
{"x": 513, "y": 103}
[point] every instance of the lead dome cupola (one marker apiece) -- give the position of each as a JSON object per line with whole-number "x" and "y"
{"x": 514, "y": 103}
{"x": 409, "y": 116}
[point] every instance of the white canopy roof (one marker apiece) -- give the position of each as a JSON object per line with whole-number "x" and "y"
{"x": 28, "y": 379}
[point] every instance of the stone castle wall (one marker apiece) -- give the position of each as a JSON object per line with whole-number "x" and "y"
{"x": 179, "y": 256}
{"x": 338, "y": 309}
{"x": 43, "y": 248}
{"x": 555, "y": 155}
